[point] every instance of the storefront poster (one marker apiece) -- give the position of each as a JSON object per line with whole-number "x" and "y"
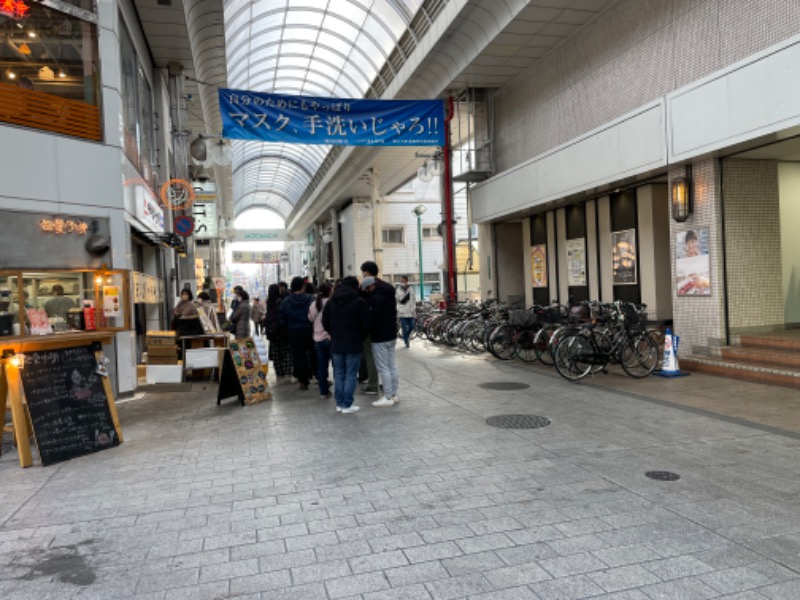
{"x": 39, "y": 323}
{"x": 111, "y": 306}
{"x": 139, "y": 287}
{"x": 576, "y": 262}
{"x": 251, "y": 373}
{"x": 692, "y": 263}
{"x": 623, "y": 255}
{"x": 539, "y": 266}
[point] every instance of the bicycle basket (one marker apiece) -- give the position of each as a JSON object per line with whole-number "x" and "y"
{"x": 634, "y": 316}
{"x": 522, "y": 318}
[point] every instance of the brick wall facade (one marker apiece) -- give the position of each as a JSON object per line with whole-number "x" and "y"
{"x": 700, "y": 320}
{"x": 633, "y": 53}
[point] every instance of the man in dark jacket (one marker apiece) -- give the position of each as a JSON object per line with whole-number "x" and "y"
{"x": 293, "y": 317}
{"x": 383, "y": 334}
{"x": 368, "y": 372}
{"x": 346, "y": 318}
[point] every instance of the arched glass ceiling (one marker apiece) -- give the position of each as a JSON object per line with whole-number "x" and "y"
{"x": 331, "y": 48}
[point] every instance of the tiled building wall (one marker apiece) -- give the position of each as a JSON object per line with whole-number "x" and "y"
{"x": 635, "y": 52}
{"x": 700, "y": 320}
{"x": 753, "y": 244}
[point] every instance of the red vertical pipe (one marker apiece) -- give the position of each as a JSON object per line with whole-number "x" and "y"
{"x": 448, "y": 208}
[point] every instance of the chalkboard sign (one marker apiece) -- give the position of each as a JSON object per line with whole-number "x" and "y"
{"x": 68, "y": 403}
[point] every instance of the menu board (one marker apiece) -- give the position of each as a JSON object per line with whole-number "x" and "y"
{"x": 243, "y": 375}
{"x": 69, "y": 408}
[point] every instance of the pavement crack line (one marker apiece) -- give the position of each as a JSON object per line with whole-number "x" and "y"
{"x": 31, "y": 497}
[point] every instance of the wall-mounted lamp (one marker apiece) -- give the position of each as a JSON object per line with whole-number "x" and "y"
{"x": 102, "y": 276}
{"x": 682, "y": 201}
{"x": 14, "y": 359}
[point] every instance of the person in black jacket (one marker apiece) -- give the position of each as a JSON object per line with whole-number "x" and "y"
{"x": 293, "y": 317}
{"x": 346, "y": 318}
{"x": 383, "y": 333}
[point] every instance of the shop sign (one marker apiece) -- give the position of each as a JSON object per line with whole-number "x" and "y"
{"x": 256, "y": 257}
{"x": 148, "y": 211}
{"x": 64, "y": 226}
{"x": 138, "y": 287}
{"x": 153, "y": 290}
{"x": 261, "y": 235}
{"x": 16, "y": 9}
{"x": 204, "y": 212}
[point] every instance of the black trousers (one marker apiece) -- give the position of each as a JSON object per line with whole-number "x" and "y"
{"x": 304, "y": 356}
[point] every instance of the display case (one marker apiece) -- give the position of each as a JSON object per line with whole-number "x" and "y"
{"x": 52, "y": 302}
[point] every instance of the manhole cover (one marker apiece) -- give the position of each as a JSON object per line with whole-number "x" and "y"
{"x": 518, "y": 421}
{"x": 504, "y": 385}
{"x": 662, "y": 475}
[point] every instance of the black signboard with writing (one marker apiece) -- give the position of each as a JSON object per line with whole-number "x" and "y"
{"x": 68, "y": 404}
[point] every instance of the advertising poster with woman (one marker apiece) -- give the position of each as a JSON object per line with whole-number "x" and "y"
{"x": 692, "y": 263}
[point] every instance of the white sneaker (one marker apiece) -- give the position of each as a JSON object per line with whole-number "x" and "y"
{"x": 383, "y": 402}
{"x": 352, "y": 409}
{"x": 395, "y": 399}
{"x": 339, "y": 409}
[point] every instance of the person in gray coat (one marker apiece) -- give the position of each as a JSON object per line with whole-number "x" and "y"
{"x": 240, "y": 319}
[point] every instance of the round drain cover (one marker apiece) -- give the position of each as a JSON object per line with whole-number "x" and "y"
{"x": 518, "y": 421}
{"x": 662, "y": 475}
{"x": 504, "y": 385}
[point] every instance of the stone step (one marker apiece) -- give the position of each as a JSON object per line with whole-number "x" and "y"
{"x": 766, "y": 357}
{"x": 787, "y": 341}
{"x": 782, "y": 376}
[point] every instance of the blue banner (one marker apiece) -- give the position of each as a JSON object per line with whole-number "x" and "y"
{"x": 331, "y": 121}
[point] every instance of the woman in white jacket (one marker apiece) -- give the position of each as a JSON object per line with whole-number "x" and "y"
{"x": 406, "y": 308}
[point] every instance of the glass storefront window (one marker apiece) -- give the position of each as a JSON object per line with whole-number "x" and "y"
{"x": 53, "y": 302}
{"x": 129, "y": 97}
{"x": 137, "y": 110}
{"x": 50, "y": 51}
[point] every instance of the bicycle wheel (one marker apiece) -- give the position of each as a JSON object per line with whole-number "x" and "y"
{"x": 572, "y": 357}
{"x": 473, "y": 331}
{"x": 525, "y": 346}
{"x": 541, "y": 344}
{"x": 501, "y": 342}
{"x": 639, "y": 355}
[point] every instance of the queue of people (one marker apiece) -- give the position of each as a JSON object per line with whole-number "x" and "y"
{"x": 351, "y": 326}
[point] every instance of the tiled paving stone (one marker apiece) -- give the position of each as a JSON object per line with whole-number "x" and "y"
{"x": 288, "y": 499}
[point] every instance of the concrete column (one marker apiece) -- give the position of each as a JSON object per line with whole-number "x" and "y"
{"x": 488, "y": 270}
{"x": 591, "y": 251}
{"x": 604, "y": 237}
{"x": 335, "y": 245}
{"x": 526, "y": 261}
{"x": 561, "y": 238}
{"x": 655, "y": 282}
{"x": 700, "y": 320}
{"x": 510, "y": 282}
{"x": 552, "y": 257}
